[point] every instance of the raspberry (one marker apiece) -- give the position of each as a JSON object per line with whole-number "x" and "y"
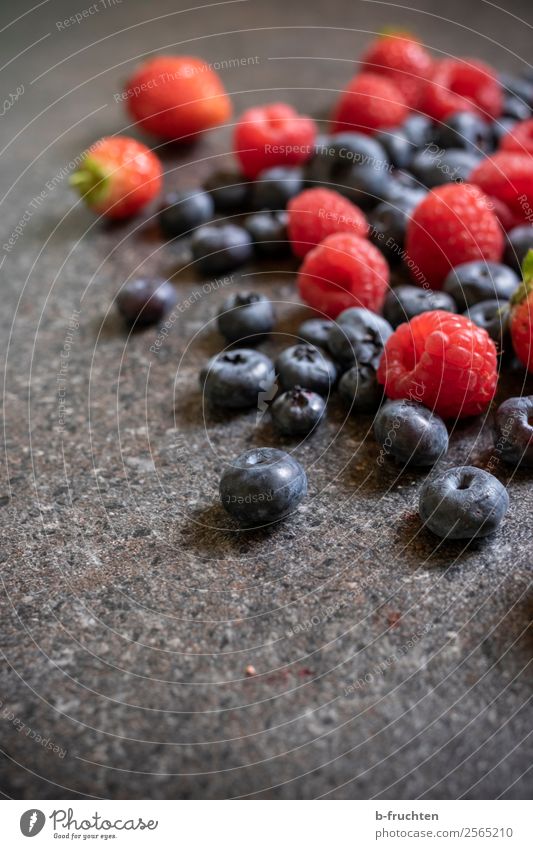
{"x": 442, "y": 360}
{"x": 176, "y": 97}
{"x": 403, "y": 60}
{"x": 370, "y": 103}
{"x": 463, "y": 85}
{"x": 317, "y": 213}
{"x": 453, "y": 224}
{"x": 271, "y": 135}
{"x": 519, "y": 138}
{"x": 343, "y": 271}
{"x": 521, "y": 322}
{"x": 508, "y": 176}
{"x": 118, "y": 176}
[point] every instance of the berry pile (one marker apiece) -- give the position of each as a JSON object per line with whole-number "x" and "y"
{"x": 409, "y": 226}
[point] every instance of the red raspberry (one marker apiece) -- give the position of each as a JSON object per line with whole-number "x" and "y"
{"x": 463, "y": 85}
{"x": 521, "y": 322}
{"x": 444, "y": 361}
{"x": 519, "y": 138}
{"x": 118, "y": 176}
{"x": 317, "y": 213}
{"x": 271, "y": 135}
{"x": 453, "y": 224}
{"x": 176, "y": 97}
{"x": 504, "y": 215}
{"x": 370, "y": 103}
{"x": 401, "y": 58}
{"x": 508, "y": 176}
{"x": 343, "y": 271}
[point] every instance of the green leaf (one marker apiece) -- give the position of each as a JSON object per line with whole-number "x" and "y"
{"x": 527, "y": 267}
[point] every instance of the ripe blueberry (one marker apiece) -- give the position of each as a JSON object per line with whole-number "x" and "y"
{"x": 404, "y": 302}
{"x": 220, "y": 249}
{"x": 246, "y": 317}
{"x": 410, "y": 433}
{"x": 145, "y": 301}
{"x": 358, "y": 336}
{"x": 307, "y": 366}
{"x": 472, "y": 282}
{"x": 297, "y": 411}
{"x": 463, "y": 503}
{"x": 235, "y": 379}
{"x": 514, "y": 430}
{"x": 359, "y": 387}
{"x": 262, "y": 486}
{"x": 183, "y": 212}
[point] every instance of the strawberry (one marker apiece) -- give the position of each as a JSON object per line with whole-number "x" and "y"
{"x": 521, "y": 322}
{"x": 176, "y": 97}
{"x": 118, "y": 176}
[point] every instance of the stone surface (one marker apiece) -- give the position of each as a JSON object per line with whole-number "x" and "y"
{"x": 387, "y": 665}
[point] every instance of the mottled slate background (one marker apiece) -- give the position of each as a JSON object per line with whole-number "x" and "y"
{"x": 387, "y": 665}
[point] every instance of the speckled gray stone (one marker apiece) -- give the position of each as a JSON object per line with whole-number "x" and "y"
{"x": 132, "y": 609}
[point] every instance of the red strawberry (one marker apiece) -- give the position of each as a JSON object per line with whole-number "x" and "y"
{"x": 444, "y": 361}
{"x": 463, "y": 85}
{"x": 453, "y": 224}
{"x": 401, "y": 58}
{"x": 521, "y": 322}
{"x": 317, "y": 213}
{"x": 271, "y": 135}
{"x": 118, "y": 176}
{"x": 370, "y": 103}
{"x": 176, "y": 97}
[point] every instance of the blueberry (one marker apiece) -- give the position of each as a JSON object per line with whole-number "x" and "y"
{"x": 297, "y": 412}
{"x": 246, "y": 317}
{"x": 404, "y": 188}
{"x": 404, "y": 302}
{"x": 340, "y": 153}
{"x": 463, "y": 503}
{"x": 514, "y": 430}
{"x": 220, "y": 249}
{"x": 183, "y": 212}
{"x": 315, "y": 331}
{"x": 519, "y": 242}
{"x": 419, "y": 130}
{"x": 388, "y": 227}
{"x": 236, "y": 379}
{"x": 269, "y": 233}
{"x": 515, "y": 108}
{"x": 521, "y": 87}
{"x": 358, "y": 336}
{"x": 472, "y": 282}
{"x": 410, "y": 433}
{"x": 359, "y": 387}
{"x": 492, "y": 316}
{"x": 230, "y": 191}
{"x": 465, "y": 131}
{"x": 444, "y": 166}
{"x": 145, "y": 301}
{"x": 398, "y": 146}
{"x": 364, "y": 185}
{"x": 500, "y": 128}
{"x": 307, "y": 366}
{"x": 274, "y": 187}
{"x": 262, "y": 486}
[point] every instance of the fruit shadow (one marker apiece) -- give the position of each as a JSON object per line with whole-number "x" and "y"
{"x": 433, "y": 553}
{"x": 216, "y": 534}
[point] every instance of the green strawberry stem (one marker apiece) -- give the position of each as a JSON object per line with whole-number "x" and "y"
{"x": 91, "y": 180}
{"x": 526, "y": 286}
